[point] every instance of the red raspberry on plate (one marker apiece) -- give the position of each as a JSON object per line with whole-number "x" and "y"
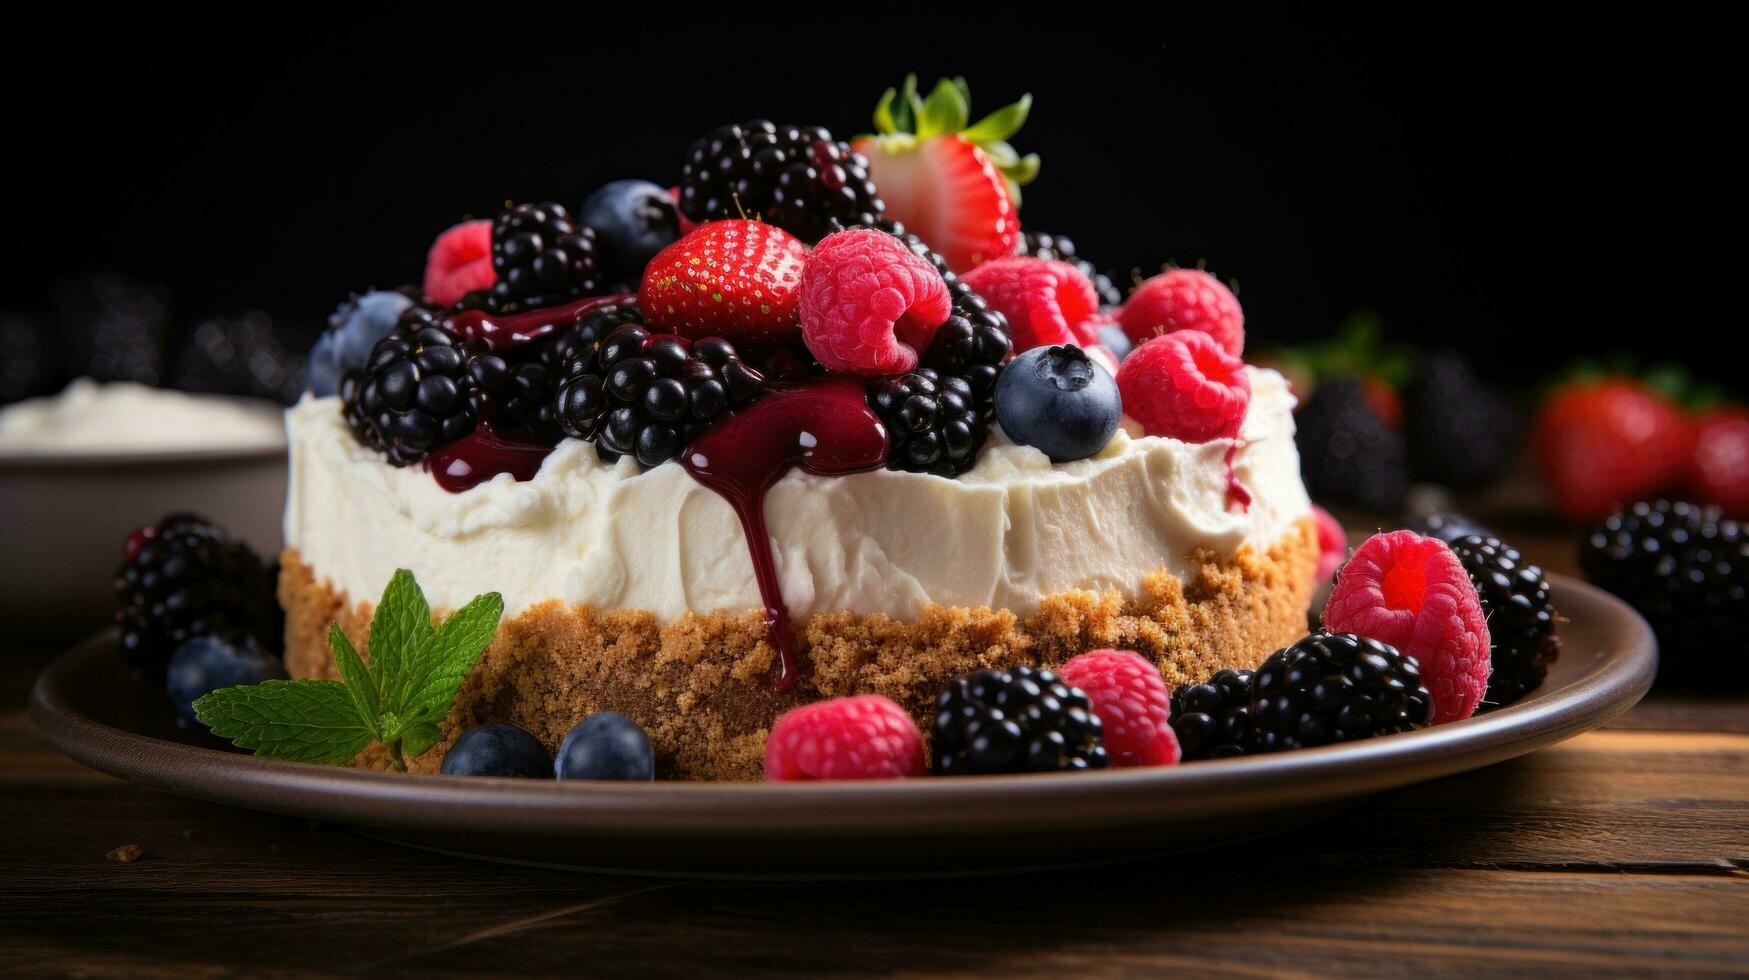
{"x": 1413, "y": 593}
{"x": 1184, "y": 299}
{"x": 732, "y": 279}
{"x": 459, "y": 263}
{"x": 1132, "y": 702}
{"x": 869, "y": 305}
{"x": 1185, "y": 386}
{"x": 1046, "y": 301}
{"x": 1332, "y": 543}
{"x": 862, "y": 737}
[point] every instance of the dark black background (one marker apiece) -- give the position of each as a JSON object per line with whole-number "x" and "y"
{"x": 1501, "y": 184}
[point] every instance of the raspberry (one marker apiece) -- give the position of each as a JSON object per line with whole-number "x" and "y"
{"x": 460, "y": 262}
{"x": 1184, "y": 299}
{"x": 1132, "y": 702}
{"x": 1184, "y": 385}
{"x": 1046, "y": 301}
{"x": 1412, "y": 593}
{"x": 1332, "y": 543}
{"x": 868, "y": 304}
{"x": 863, "y": 737}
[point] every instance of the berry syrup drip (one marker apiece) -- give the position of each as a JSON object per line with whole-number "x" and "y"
{"x": 502, "y": 333}
{"x": 1236, "y": 492}
{"x": 826, "y": 428}
{"x": 481, "y": 455}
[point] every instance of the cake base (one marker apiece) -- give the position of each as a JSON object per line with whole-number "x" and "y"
{"x": 702, "y": 687}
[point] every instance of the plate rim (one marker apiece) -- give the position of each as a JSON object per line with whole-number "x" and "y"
{"x": 748, "y": 810}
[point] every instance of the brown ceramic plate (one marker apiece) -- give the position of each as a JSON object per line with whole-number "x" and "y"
{"x": 90, "y": 708}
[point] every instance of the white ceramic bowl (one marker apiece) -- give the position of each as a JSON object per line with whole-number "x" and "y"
{"x": 67, "y": 516}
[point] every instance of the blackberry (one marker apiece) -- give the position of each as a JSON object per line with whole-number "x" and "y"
{"x": 184, "y": 577}
{"x": 647, "y": 395}
{"x": 516, "y": 397}
{"x": 415, "y": 393}
{"x": 934, "y": 422}
{"x": 1335, "y": 687}
{"x": 795, "y": 177}
{"x": 237, "y": 355}
{"x": 1685, "y": 567}
{"x": 1521, "y": 619}
{"x": 1348, "y": 455}
{"x": 1019, "y": 720}
{"x": 1213, "y": 719}
{"x": 1041, "y": 245}
{"x": 1448, "y": 526}
{"x": 541, "y": 256}
{"x": 1460, "y": 431}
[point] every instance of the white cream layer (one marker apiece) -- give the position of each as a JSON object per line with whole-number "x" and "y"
{"x": 1012, "y": 530}
{"x": 125, "y": 417}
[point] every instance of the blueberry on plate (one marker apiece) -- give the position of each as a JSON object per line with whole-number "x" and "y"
{"x": 633, "y": 220}
{"x": 203, "y": 664}
{"x": 1112, "y": 338}
{"x": 1058, "y": 400}
{"x": 363, "y": 320}
{"x": 498, "y": 750}
{"x": 606, "y": 746}
{"x": 322, "y": 374}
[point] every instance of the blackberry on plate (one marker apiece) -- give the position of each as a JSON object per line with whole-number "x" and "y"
{"x": 1521, "y": 619}
{"x": 1019, "y": 720}
{"x": 1213, "y": 719}
{"x": 1685, "y": 567}
{"x": 1448, "y": 526}
{"x": 237, "y": 355}
{"x": 795, "y": 177}
{"x": 415, "y": 393}
{"x": 1335, "y": 687}
{"x": 541, "y": 257}
{"x": 184, "y": 577}
{"x": 1042, "y": 245}
{"x": 1461, "y": 432}
{"x": 647, "y": 395}
{"x": 1348, "y": 455}
{"x": 934, "y": 422}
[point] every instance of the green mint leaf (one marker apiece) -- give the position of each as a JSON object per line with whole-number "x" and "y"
{"x": 401, "y": 625}
{"x": 361, "y": 684}
{"x": 301, "y": 721}
{"x": 945, "y": 111}
{"x": 420, "y": 737}
{"x": 1001, "y": 124}
{"x": 436, "y": 672}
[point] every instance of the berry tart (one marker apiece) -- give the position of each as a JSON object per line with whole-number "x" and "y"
{"x": 820, "y": 422}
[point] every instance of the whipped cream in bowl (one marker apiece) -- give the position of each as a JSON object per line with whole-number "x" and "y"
{"x": 122, "y": 419}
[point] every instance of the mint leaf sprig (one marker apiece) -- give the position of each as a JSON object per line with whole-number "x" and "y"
{"x": 398, "y": 699}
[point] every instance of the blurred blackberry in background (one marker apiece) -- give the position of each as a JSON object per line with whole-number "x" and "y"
{"x": 1685, "y": 567}
{"x": 795, "y": 177}
{"x": 1521, "y": 619}
{"x": 1041, "y": 245}
{"x": 1336, "y": 687}
{"x": 114, "y": 329}
{"x": 31, "y": 361}
{"x": 1348, "y": 454}
{"x": 1213, "y": 719}
{"x": 185, "y": 577}
{"x": 1448, "y": 526}
{"x": 1461, "y": 431}
{"x": 240, "y": 355}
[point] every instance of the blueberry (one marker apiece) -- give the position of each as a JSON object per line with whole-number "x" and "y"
{"x": 203, "y": 664}
{"x": 633, "y": 220}
{"x": 1058, "y": 400}
{"x": 606, "y": 746}
{"x": 498, "y": 750}
{"x": 362, "y": 321}
{"x": 323, "y": 372}
{"x": 1115, "y": 340}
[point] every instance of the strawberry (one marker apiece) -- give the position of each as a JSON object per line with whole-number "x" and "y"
{"x": 1718, "y": 468}
{"x": 1609, "y": 440}
{"x": 956, "y": 186}
{"x": 735, "y": 279}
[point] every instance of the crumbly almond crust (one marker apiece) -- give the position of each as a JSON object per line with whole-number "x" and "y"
{"x": 702, "y": 686}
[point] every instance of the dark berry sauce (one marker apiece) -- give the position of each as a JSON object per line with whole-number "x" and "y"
{"x": 1236, "y": 492}
{"x": 481, "y": 455}
{"x": 502, "y": 333}
{"x": 826, "y": 428}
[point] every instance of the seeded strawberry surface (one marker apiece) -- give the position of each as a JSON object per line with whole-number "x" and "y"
{"x": 734, "y": 279}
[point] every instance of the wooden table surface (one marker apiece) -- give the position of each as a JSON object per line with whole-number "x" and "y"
{"x": 1621, "y": 852}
